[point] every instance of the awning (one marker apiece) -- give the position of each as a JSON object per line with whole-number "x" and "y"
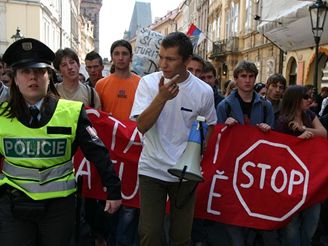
{"x": 287, "y": 24}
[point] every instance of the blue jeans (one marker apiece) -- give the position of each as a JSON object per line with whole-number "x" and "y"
{"x": 238, "y": 235}
{"x": 127, "y": 228}
{"x": 198, "y": 233}
{"x": 301, "y": 228}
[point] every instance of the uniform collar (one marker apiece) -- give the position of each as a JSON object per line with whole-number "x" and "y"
{"x": 38, "y": 104}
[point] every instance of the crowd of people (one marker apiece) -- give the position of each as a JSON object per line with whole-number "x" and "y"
{"x": 44, "y": 107}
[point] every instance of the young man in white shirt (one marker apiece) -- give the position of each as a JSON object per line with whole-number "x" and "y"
{"x": 164, "y": 114}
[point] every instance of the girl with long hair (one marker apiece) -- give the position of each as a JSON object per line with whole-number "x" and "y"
{"x": 297, "y": 119}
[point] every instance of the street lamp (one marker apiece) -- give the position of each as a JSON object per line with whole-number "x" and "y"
{"x": 17, "y": 35}
{"x": 318, "y": 12}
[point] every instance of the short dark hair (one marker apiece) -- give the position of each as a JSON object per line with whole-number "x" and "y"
{"x": 180, "y": 40}
{"x": 122, "y": 43}
{"x": 247, "y": 66}
{"x": 92, "y": 55}
{"x": 275, "y": 79}
{"x": 67, "y": 52}
{"x": 209, "y": 68}
{"x": 259, "y": 86}
{"x": 324, "y": 89}
{"x": 199, "y": 59}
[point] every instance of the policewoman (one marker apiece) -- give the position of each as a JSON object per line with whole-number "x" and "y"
{"x": 39, "y": 134}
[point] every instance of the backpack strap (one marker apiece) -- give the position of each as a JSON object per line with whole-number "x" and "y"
{"x": 91, "y": 94}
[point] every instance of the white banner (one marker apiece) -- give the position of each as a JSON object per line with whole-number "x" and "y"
{"x": 146, "y": 53}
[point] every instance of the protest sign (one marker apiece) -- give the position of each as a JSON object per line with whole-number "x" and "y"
{"x": 146, "y": 53}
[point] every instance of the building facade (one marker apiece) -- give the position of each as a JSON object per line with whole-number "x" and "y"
{"x": 90, "y": 10}
{"x": 36, "y": 19}
{"x": 57, "y": 23}
{"x": 233, "y": 33}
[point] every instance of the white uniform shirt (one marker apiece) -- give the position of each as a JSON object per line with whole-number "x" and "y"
{"x": 164, "y": 143}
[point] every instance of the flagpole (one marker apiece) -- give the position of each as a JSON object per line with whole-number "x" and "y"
{"x": 208, "y": 38}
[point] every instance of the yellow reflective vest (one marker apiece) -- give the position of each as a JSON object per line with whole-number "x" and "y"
{"x": 37, "y": 161}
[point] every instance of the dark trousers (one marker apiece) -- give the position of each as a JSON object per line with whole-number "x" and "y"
{"x": 103, "y": 225}
{"x": 153, "y": 195}
{"x": 54, "y": 228}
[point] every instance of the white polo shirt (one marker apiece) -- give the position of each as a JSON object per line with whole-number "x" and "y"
{"x": 164, "y": 143}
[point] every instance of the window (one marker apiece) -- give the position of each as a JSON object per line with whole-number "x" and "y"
{"x": 248, "y": 21}
{"x": 292, "y": 71}
{"x": 228, "y": 26}
{"x": 214, "y": 29}
{"x": 218, "y": 27}
{"x": 234, "y": 18}
{"x": 46, "y": 30}
{"x": 210, "y": 36}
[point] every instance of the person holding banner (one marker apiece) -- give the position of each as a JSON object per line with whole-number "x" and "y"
{"x": 117, "y": 92}
{"x": 245, "y": 106}
{"x": 297, "y": 119}
{"x": 165, "y": 106}
{"x": 39, "y": 135}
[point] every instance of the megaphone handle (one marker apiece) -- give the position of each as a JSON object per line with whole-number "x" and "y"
{"x": 201, "y": 129}
{"x": 183, "y": 173}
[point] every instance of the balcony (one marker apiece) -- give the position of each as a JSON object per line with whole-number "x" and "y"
{"x": 224, "y": 47}
{"x": 232, "y": 44}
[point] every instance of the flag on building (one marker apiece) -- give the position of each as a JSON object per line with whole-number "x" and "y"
{"x": 196, "y": 35}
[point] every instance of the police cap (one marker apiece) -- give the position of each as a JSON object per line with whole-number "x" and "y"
{"x": 28, "y": 53}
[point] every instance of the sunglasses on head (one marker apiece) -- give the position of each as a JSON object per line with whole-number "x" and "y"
{"x": 306, "y": 97}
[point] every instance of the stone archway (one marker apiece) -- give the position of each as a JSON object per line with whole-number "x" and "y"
{"x": 323, "y": 57}
{"x": 291, "y": 71}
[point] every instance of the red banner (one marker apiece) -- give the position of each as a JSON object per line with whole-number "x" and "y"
{"x": 252, "y": 179}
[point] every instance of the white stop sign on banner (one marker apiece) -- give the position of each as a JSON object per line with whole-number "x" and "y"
{"x": 279, "y": 183}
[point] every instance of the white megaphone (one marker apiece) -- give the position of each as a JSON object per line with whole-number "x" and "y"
{"x": 188, "y": 165}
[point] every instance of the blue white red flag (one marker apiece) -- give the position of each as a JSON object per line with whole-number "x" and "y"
{"x": 196, "y": 35}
